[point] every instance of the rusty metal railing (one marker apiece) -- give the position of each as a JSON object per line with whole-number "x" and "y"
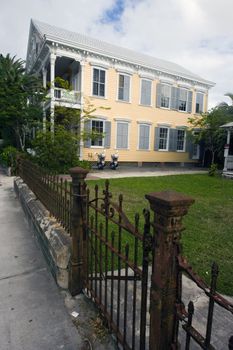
{"x": 117, "y": 274}
{"x": 186, "y": 316}
{"x": 51, "y": 190}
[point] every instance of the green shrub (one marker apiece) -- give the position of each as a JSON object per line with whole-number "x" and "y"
{"x": 85, "y": 164}
{"x": 213, "y": 169}
{"x": 8, "y": 156}
{"x": 57, "y": 152}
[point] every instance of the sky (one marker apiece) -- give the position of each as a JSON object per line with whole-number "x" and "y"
{"x": 197, "y": 34}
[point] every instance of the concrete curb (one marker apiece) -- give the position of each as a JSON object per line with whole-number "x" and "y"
{"x": 53, "y": 239}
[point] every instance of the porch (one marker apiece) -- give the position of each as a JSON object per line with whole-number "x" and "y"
{"x": 228, "y": 151}
{"x": 62, "y": 78}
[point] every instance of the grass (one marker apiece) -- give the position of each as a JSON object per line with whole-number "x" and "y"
{"x": 209, "y": 224}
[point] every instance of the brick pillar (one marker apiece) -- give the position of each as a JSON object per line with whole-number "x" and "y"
{"x": 78, "y": 217}
{"x": 169, "y": 207}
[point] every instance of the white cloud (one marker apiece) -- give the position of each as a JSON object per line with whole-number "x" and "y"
{"x": 195, "y": 33}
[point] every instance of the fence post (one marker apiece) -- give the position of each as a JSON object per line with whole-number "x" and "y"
{"x": 18, "y": 165}
{"x": 78, "y": 215}
{"x": 169, "y": 207}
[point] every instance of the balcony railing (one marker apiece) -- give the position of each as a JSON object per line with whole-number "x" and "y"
{"x": 67, "y": 96}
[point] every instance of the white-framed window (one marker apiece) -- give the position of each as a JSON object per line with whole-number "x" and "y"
{"x": 146, "y": 85}
{"x": 99, "y": 82}
{"x": 123, "y": 87}
{"x": 122, "y": 135}
{"x": 180, "y": 145}
{"x": 163, "y": 138}
{"x": 144, "y": 137}
{"x": 165, "y": 96}
{"x": 97, "y": 127}
{"x": 199, "y": 102}
{"x": 183, "y": 100}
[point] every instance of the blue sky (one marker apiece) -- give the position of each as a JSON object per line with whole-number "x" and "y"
{"x": 113, "y": 14}
{"x": 196, "y": 34}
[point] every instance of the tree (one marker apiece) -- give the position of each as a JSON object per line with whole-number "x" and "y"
{"x": 21, "y": 95}
{"x": 57, "y": 152}
{"x": 230, "y": 95}
{"x": 209, "y": 131}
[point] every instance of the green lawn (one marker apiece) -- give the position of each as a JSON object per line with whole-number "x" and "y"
{"x": 209, "y": 224}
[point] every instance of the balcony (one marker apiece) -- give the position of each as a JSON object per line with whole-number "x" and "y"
{"x": 66, "y": 98}
{"x": 69, "y": 96}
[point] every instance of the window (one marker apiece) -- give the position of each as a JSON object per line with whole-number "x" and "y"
{"x": 145, "y": 92}
{"x": 122, "y": 135}
{"x": 123, "y": 87}
{"x": 175, "y": 98}
{"x": 165, "y": 96}
{"x": 163, "y": 139}
{"x": 199, "y": 102}
{"x": 196, "y": 151}
{"x": 182, "y": 101}
{"x": 98, "y": 82}
{"x": 97, "y": 127}
{"x": 180, "y": 140}
{"x": 144, "y": 137}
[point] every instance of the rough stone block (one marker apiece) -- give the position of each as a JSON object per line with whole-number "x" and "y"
{"x": 53, "y": 239}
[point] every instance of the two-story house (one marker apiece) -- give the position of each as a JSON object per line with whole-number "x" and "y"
{"x": 148, "y": 100}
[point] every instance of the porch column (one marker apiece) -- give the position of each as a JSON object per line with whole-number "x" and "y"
{"x": 52, "y": 78}
{"x": 226, "y": 150}
{"x": 44, "y": 75}
{"x": 81, "y": 145}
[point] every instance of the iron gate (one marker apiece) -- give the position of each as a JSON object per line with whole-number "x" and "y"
{"x": 117, "y": 275}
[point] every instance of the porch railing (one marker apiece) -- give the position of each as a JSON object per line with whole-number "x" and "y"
{"x": 67, "y": 96}
{"x": 229, "y": 163}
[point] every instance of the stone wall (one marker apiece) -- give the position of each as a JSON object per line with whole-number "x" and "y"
{"x": 55, "y": 243}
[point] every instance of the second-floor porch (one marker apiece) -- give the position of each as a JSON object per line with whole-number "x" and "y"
{"x": 62, "y": 79}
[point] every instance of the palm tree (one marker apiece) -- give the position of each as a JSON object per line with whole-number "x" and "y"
{"x": 229, "y": 94}
{"x": 17, "y": 89}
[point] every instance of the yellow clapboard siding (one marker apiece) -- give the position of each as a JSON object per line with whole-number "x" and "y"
{"x": 134, "y": 112}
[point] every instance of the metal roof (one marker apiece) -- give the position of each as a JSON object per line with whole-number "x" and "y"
{"x": 100, "y": 47}
{"x": 228, "y": 125}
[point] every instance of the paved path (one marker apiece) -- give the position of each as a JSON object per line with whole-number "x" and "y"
{"x": 125, "y": 171}
{"x": 32, "y": 311}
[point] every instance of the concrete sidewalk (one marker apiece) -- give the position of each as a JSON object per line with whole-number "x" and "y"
{"x": 125, "y": 171}
{"x": 33, "y": 315}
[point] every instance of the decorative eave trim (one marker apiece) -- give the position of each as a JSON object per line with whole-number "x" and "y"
{"x": 135, "y": 66}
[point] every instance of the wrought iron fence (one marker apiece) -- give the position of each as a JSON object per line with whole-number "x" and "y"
{"x": 186, "y": 316}
{"x": 132, "y": 271}
{"x": 117, "y": 274}
{"x": 51, "y": 190}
